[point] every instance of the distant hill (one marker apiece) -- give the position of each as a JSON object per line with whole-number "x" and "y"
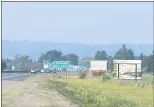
{"x": 34, "y": 49}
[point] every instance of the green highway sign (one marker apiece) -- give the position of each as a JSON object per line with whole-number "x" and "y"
{"x": 60, "y": 64}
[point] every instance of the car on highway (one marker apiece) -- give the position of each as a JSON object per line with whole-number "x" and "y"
{"x": 47, "y": 71}
{"x": 54, "y": 71}
{"x": 42, "y": 71}
{"x": 33, "y": 72}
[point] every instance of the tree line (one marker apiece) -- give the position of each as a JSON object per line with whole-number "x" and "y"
{"x": 26, "y": 63}
{"x": 127, "y": 54}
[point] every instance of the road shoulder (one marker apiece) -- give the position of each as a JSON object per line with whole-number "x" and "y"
{"x": 34, "y": 92}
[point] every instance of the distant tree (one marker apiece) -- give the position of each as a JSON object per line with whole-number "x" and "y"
{"x": 41, "y": 58}
{"x": 85, "y": 61}
{"x": 22, "y": 62}
{"x": 8, "y": 63}
{"x": 124, "y": 54}
{"x": 73, "y": 58}
{"x": 147, "y": 62}
{"x": 110, "y": 63}
{"x": 141, "y": 56}
{"x": 130, "y": 55}
{"x": 51, "y": 56}
{"x": 37, "y": 65}
{"x": 64, "y": 58}
{"x": 144, "y": 60}
{"x": 150, "y": 67}
{"x": 101, "y": 55}
{"x": 4, "y": 66}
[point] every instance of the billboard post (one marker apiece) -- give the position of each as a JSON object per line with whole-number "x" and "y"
{"x": 62, "y": 65}
{"x": 118, "y": 71}
{"x": 136, "y": 72}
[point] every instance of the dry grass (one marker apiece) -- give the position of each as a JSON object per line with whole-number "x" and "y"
{"x": 110, "y": 93}
{"x": 34, "y": 92}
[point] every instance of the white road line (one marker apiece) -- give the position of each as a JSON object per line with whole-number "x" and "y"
{"x": 13, "y": 76}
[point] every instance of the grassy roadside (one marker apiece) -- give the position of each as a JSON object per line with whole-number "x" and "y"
{"x": 10, "y": 94}
{"x": 107, "y": 94}
{"x": 148, "y": 77}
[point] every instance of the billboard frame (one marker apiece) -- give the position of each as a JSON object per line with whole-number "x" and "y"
{"x": 133, "y": 63}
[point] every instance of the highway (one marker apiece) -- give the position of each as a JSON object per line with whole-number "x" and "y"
{"x": 23, "y": 76}
{"x": 15, "y": 76}
{"x": 10, "y": 79}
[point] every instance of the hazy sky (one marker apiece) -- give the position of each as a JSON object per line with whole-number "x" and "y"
{"x": 90, "y": 23}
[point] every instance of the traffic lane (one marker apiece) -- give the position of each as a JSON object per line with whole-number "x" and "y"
{"x": 8, "y": 74}
{"x": 10, "y": 79}
{"x": 11, "y": 74}
{"x": 18, "y": 77}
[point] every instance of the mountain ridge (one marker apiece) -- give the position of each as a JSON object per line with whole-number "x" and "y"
{"x": 35, "y": 48}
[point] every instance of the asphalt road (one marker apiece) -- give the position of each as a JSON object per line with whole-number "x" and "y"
{"x": 15, "y": 76}
{"x": 10, "y": 79}
{"x": 23, "y": 76}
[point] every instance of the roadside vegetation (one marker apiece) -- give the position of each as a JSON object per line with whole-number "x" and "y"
{"x": 148, "y": 77}
{"x": 109, "y": 93}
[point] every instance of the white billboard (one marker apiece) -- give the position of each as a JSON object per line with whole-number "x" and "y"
{"x": 46, "y": 66}
{"x": 98, "y": 65}
{"x": 128, "y": 61}
{"x": 127, "y": 69}
{"x": 13, "y": 67}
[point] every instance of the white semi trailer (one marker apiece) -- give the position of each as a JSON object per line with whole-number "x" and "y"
{"x": 98, "y": 66}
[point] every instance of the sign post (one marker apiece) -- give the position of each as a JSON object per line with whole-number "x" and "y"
{"x": 136, "y": 72}
{"x": 61, "y": 64}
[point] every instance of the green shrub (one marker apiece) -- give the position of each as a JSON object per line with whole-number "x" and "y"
{"x": 82, "y": 75}
{"x": 106, "y": 77}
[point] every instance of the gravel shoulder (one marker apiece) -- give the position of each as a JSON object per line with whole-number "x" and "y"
{"x": 34, "y": 92}
{"x": 7, "y": 84}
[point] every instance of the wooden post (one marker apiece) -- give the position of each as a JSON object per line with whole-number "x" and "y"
{"x": 136, "y": 72}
